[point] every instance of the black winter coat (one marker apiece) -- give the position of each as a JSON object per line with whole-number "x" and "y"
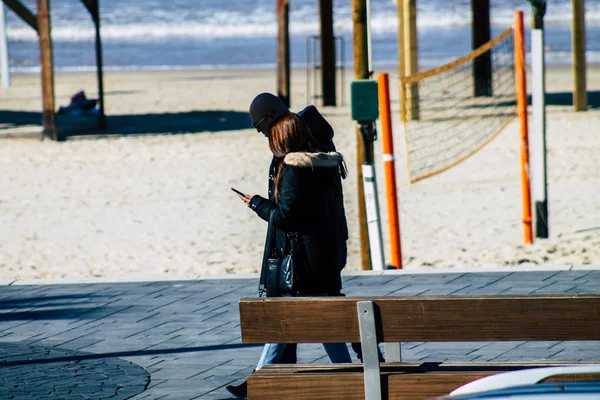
{"x": 323, "y": 132}
{"x": 309, "y": 204}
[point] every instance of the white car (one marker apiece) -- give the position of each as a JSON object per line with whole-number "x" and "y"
{"x": 580, "y": 382}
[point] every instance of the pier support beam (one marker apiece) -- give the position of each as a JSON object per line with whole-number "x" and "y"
{"x": 411, "y": 58}
{"x": 327, "y": 52}
{"x": 283, "y": 51}
{"x": 48, "y": 117}
{"x": 481, "y": 34}
{"x": 578, "y": 51}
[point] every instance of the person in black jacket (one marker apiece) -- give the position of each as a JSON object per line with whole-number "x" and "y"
{"x": 307, "y": 186}
{"x": 265, "y": 107}
{"x": 305, "y": 202}
{"x": 263, "y": 110}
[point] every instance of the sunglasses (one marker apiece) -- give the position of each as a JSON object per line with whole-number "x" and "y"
{"x": 257, "y": 124}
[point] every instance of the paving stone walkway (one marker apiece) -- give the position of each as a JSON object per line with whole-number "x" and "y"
{"x": 181, "y": 339}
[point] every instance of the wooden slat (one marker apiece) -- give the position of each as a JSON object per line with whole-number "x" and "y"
{"x": 423, "y": 319}
{"x": 342, "y": 381}
{"x": 350, "y": 385}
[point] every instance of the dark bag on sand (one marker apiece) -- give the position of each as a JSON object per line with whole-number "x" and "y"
{"x": 281, "y": 275}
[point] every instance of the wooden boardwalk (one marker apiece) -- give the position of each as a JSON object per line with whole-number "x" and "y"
{"x": 181, "y": 339}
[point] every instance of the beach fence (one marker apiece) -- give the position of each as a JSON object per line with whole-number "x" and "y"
{"x": 452, "y": 111}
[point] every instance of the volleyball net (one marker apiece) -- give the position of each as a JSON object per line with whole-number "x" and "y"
{"x": 452, "y": 111}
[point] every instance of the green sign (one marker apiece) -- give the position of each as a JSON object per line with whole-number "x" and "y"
{"x": 539, "y": 7}
{"x": 364, "y": 100}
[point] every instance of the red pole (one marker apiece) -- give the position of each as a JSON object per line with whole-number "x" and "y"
{"x": 389, "y": 169}
{"x": 521, "y": 88}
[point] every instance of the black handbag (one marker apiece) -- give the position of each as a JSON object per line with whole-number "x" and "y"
{"x": 281, "y": 274}
{"x": 290, "y": 266}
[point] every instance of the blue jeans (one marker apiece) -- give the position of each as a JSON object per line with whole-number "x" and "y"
{"x": 275, "y": 353}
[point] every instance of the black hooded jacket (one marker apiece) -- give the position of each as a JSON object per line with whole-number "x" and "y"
{"x": 323, "y": 132}
{"x": 309, "y": 203}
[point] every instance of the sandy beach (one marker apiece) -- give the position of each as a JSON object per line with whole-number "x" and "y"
{"x": 145, "y": 202}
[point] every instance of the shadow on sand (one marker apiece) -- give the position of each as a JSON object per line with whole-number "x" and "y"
{"x": 566, "y": 99}
{"x": 131, "y": 124}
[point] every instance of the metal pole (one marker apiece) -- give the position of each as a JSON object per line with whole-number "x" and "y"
{"x": 371, "y": 197}
{"x": 361, "y": 71}
{"x": 4, "y": 61}
{"x": 367, "y": 325}
{"x": 521, "y": 89}
{"x": 389, "y": 169}
{"x": 538, "y": 113}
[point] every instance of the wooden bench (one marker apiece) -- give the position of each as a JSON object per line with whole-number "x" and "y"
{"x": 403, "y": 319}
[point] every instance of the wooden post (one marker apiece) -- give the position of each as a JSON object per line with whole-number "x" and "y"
{"x": 521, "y": 90}
{"x": 99, "y": 65}
{"x": 578, "y": 50}
{"x": 283, "y": 51}
{"x": 481, "y": 34}
{"x": 327, "y": 52}
{"x": 361, "y": 71}
{"x": 43, "y": 23}
{"x": 401, "y": 51}
{"x": 411, "y": 58}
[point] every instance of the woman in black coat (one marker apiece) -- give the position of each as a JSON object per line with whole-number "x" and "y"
{"x": 306, "y": 203}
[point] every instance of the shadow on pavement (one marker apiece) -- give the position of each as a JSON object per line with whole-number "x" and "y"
{"x": 120, "y": 354}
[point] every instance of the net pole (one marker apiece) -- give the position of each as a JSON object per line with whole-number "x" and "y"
{"x": 401, "y": 53}
{"x": 389, "y": 169}
{"x": 521, "y": 90}
{"x": 411, "y": 62}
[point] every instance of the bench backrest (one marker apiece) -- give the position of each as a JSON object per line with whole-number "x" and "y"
{"x": 423, "y": 319}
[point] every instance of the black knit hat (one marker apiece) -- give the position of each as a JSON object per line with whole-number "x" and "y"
{"x": 263, "y": 105}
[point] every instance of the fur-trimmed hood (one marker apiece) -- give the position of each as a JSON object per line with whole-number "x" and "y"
{"x": 314, "y": 160}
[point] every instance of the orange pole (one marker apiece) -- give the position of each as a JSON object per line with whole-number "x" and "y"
{"x": 521, "y": 89}
{"x": 389, "y": 169}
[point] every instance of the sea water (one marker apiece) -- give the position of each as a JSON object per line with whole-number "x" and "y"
{"x": 192, "y": 34}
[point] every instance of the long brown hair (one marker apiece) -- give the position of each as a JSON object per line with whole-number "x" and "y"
{"x": 290, "y": 134}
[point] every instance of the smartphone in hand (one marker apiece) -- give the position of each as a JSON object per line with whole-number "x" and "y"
{"x": 238, "y": 192}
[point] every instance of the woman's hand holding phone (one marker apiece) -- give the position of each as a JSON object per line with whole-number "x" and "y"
{"x": 245, "y": 197}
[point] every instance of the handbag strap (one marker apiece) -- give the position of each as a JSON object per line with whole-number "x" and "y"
{"x": 267, "y": 253}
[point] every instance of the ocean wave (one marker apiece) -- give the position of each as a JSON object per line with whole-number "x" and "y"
{"x": 556, "y": 58}
{"x": 253, "y": 27}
